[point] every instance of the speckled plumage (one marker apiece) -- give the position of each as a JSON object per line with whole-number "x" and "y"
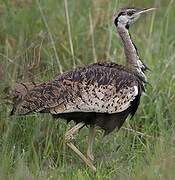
{"x": 101, "y": 90}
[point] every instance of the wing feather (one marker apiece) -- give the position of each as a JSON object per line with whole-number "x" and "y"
{"x": 100, "y": 102}
{"x": 104, "y": 88}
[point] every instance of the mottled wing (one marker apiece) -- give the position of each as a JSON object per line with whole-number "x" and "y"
{"x": 104, "y": 88}
{"x": 103, "y": 99}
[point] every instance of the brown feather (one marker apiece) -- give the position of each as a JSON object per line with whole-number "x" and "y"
{"x": 101, "y": 88}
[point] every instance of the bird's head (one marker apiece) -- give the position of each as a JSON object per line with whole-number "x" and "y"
{"x": 127, "y": 16}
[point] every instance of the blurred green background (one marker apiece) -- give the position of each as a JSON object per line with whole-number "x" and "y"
{"x": 40, "y": 39}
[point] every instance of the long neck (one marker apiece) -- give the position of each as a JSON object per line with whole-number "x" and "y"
{"x": 130, "y": 51}
{"x": 129, "y": 48}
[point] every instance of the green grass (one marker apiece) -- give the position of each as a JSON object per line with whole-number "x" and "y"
{"x": 41, "y": 38}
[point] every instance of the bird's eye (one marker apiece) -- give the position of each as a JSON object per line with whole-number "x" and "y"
{"x": 130, "y": 13}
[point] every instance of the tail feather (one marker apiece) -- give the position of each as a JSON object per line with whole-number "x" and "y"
{"x": 17, "y": 96}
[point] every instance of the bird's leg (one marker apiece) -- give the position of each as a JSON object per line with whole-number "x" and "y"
{"x": 69, "y": 134}
{"x": 80, "y": 154}
{"x": 91, "y": 139}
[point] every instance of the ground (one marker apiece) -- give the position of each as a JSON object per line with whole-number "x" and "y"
{"x": 40, "y": 39}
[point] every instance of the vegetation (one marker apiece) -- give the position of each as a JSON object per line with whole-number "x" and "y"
{"x": 39, "y": 39}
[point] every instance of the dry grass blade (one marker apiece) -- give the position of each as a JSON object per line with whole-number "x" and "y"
{"x": 138, "y": 133}
{"x": 92, "y": 36}
{"x": 51, "y": 37}
{"x": 69, "y": 32}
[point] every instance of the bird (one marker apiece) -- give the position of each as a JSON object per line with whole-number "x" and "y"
{"x": 101, "y": 94}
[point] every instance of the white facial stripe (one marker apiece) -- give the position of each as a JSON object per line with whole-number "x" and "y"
{"x": 123, "y": 19}
{"x": 126, "y": 19}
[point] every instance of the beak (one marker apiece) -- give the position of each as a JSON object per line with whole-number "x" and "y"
{"x": 146, "y": 10}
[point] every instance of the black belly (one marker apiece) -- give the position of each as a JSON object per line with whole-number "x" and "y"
{"x": 108, "y": 122}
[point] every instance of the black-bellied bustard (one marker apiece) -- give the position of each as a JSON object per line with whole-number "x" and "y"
{"x": 100, "y": 94}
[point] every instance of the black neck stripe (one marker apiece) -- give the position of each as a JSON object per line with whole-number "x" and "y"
{"x": 116, "y": 19}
